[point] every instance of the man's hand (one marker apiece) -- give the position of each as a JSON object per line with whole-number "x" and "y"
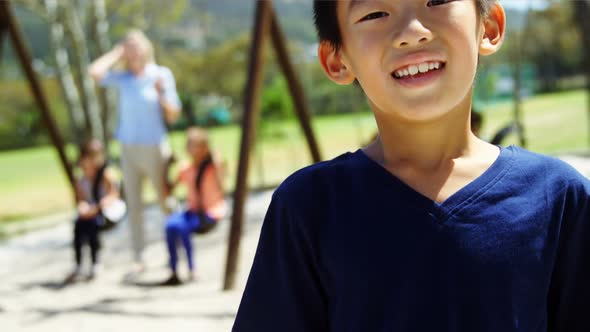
{"x": 99, "y": 67}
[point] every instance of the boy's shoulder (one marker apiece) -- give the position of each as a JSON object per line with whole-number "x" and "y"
{"x": 551, "y": 170}
{"x": 317, "y": 179}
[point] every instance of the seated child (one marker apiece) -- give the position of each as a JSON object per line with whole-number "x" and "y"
{"x": 86, "y": 227}
{"x": 205, "y": 204}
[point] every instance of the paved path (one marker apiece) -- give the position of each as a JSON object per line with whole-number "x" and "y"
{"x": 579, "y": 161}
{"x": 32, "y": 267}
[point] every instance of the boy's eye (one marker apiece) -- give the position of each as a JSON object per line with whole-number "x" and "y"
{"x": 432, "y": 3}
{"x": 374, "y": 16}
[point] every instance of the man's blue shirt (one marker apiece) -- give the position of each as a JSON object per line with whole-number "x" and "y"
{"x": 141, "y": 118}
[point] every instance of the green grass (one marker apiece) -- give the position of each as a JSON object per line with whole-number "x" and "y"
{"x": 553, "y": 123}
{"x": 32, "y": 183}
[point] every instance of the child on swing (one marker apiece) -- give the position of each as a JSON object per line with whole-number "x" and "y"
{"x": 95, "y": 189}
{"x": 205, "y": 202}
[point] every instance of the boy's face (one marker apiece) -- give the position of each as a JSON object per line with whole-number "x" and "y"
{"x": 415, "y": 59}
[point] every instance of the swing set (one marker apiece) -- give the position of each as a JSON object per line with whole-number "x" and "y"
{"x": 266, "y": 27}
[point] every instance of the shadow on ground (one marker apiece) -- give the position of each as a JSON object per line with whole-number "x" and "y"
{"x": 108, "y": 306}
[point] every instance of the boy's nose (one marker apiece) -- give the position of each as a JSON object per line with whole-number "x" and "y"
{"x": 412, "y": 34}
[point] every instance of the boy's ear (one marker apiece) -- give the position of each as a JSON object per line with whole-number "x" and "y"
{"x": 494, "y": 30}
{"x": 335, "y": 68}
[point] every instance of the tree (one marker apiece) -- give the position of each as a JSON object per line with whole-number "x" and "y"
{"x": 553, "y": 44}
{"x": 67, "y": 41}
{"x": 220, "y": 71}
{"x": 147, "y": 15}
{"x": 63, "y": 70}
{"x": 100, "y": 35}
{"x": 73, "y": 24}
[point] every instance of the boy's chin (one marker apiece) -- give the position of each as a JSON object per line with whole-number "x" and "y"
{"x": 422, "y": 117}
{"x": 416, "y": 113}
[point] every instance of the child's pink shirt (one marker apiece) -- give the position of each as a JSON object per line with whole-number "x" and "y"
{"x": 212, "y": 200}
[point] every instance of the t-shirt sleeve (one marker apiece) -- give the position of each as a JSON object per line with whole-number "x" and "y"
{"x": 283, "y": 292}
{"x": 112, "y": 79}
{"x": 170, "y": 93}
{"x": 569, "y": 293}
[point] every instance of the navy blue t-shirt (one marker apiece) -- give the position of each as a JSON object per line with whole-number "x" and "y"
{"x": 348, "y": 247}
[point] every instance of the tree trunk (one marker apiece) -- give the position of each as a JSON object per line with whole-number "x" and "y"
{"x": 64, "y": 73}
{"x": 87, "y": 89}
{"x": 581, "y": 12}
{"x": 100, "y": 34}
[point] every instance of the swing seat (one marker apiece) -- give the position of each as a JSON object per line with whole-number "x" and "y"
{"x": 206, "y": 228}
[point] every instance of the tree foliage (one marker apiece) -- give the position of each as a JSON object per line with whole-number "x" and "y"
{"x": 552, "y": 42}
{"x": 151, "y": 16}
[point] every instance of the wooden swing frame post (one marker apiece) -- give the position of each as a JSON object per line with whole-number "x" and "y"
{"x": 266, "y": 25}
{"x": 11, "y": 26}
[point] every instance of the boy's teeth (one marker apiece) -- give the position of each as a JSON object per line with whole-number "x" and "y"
{"x": 415, "y": 69}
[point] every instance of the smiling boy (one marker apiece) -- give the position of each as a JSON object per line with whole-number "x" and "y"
{"x": 428, "y": 228}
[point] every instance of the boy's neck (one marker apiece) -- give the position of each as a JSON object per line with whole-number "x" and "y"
{"x": 425, "y": 146}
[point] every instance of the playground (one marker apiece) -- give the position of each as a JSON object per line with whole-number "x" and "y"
{"x": 33, "y": 297}
{"x": 276, "y": 120}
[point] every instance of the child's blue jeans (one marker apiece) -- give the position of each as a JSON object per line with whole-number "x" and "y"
{"x": 179, "y": 228}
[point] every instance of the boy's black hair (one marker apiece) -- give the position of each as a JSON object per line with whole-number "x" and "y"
{"x": 326, "y": 19}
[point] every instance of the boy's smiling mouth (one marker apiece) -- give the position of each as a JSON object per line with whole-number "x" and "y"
{"x": 417, "y": 69}
{"x": 418, "y": 73}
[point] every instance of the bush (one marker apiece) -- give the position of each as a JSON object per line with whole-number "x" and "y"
{"x": 21, "y": 123}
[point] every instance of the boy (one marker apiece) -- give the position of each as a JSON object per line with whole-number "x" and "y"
{"x": 428, "y": 228}
{"x": 205, "y": 201}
